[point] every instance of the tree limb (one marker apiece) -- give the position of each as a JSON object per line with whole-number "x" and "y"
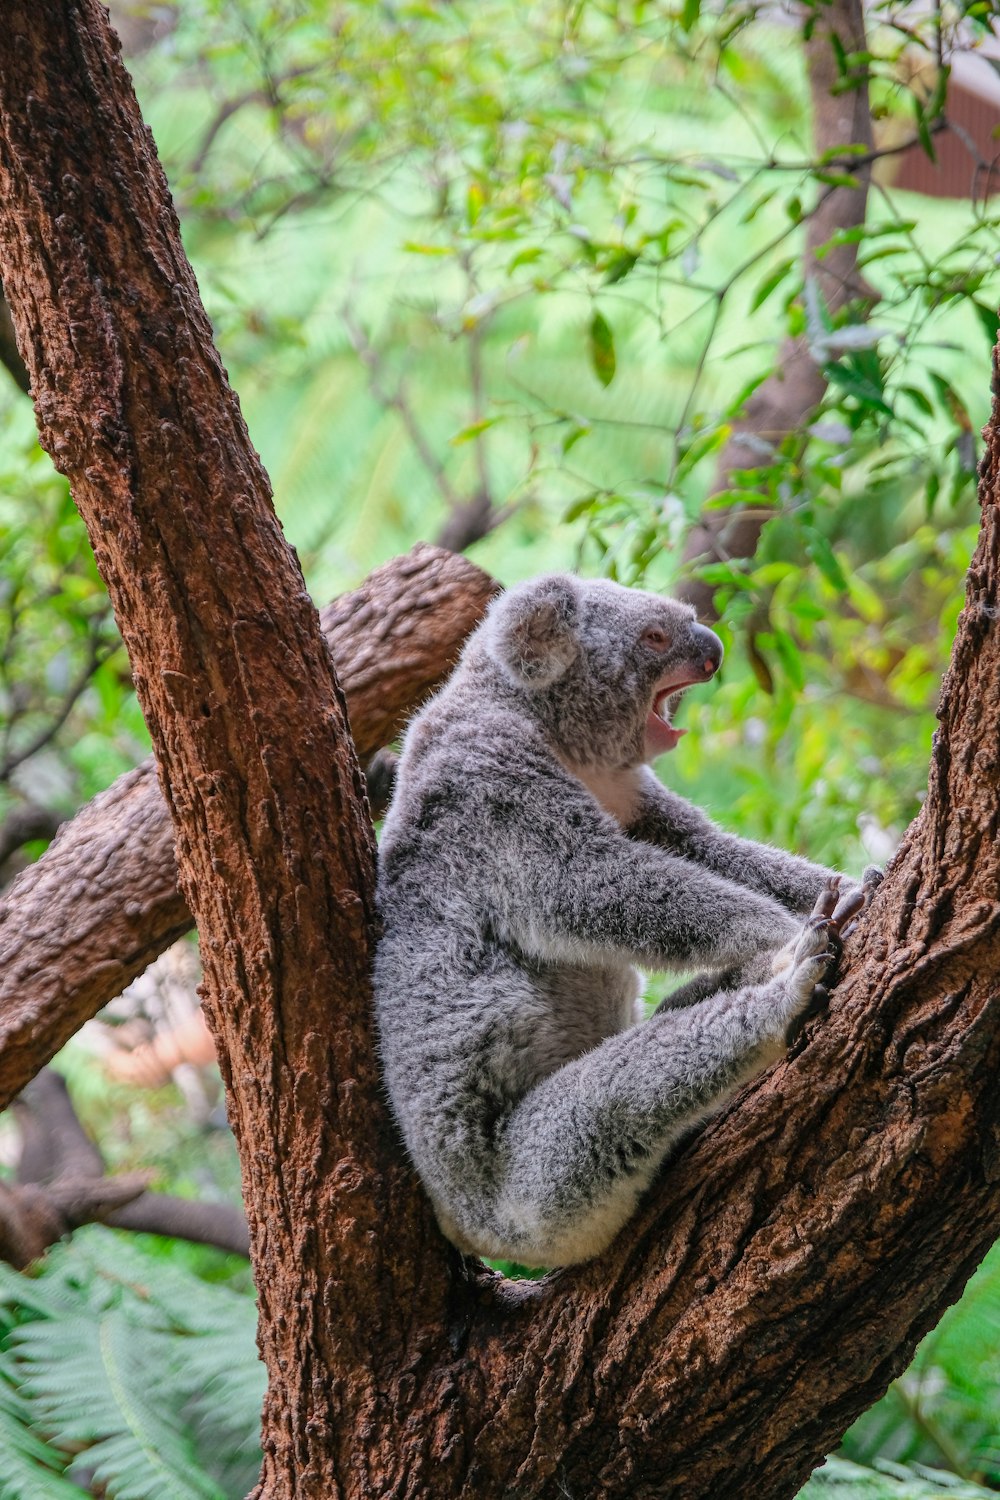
{"x": 469, "y": 518}
{"x": 111, "y": 874}
{"x": 27, "y": 821}
{"x": 781, "y": 1271}
{"x": 62, "y": 1184}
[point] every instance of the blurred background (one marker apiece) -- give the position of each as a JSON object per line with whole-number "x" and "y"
{"x": 696, "y": 296}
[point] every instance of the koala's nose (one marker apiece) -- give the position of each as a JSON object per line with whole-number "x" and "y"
{"x": 708, "y": 649}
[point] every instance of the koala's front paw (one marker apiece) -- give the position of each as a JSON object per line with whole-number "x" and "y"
{"x": 805, "y": 962}
{"x": 863, "y": 893}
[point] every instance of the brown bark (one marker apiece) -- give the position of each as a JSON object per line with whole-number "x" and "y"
{"x": 786, "y": 400}
{"x": 102, "y": 902}
{"x": 274, "y": 845}
{"x": 9, "y": 356}
{"x": 783, "y": 1268}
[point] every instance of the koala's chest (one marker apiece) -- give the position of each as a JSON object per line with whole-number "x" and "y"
{"x": 618, "y": 791}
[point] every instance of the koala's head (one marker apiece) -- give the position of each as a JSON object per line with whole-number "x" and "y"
{"x": 601, "y": 668}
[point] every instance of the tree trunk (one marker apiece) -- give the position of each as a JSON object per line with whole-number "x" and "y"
{"x": 791, "y": 393}
{"x": 783, "y": 1268}
{"x": 83, "y": 921}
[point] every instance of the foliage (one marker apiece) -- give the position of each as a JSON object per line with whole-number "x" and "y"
{"x": 63, "y": 676}
{"x": 945, "y": 1411}
{"x": 542, "y": 255}
{"x": 174, "y": 1389}
{"x": 124, "y": 1375}
{"x": 841, "y": 1480}
{"x": 564, "y": 242}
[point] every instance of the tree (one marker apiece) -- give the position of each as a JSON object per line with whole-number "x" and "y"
{"x": 794, "y": 1252}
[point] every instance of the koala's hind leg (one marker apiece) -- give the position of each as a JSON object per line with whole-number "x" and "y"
{"x": 701, "y": 987}
{"x": 584, "y": 1143}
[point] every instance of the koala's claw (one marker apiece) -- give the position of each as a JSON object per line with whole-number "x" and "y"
{"x": 825, "y": 904}
{"x": 811, "y": 957}
{"x": 835, "y": 907}
{"x": 848, "y": 906}
{"x": 816, "y": 1002}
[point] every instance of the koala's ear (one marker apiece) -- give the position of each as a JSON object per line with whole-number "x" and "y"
{"x": 532, "y": 630}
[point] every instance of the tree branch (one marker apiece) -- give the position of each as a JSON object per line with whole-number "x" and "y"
{"x": 96, "y": 656}
{"x": 62, "y": 1184}
{"x": 789, "y": 396}
{"x": 781, "y": 1271}
{"x": 22, "y": 824}
{"x": 111, "y": 873}
{"x": 469, "y": 519}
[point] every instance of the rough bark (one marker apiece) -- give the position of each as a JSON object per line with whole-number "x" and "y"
{"x": 9, "y": 357}
{"x": 786, "y": 400}
{"x": 784, "y": 1266}
{"x": 80, "y": 924}
{"x": 274, "y": 846}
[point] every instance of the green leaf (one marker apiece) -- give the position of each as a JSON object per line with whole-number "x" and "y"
{"x": 836, "y": 179}
{"x": 760, "y": 202}
{"x": 173, "y": 1389}
{"x": 837, "y": 153}
{"x": 951, "y": 400}
{"x": 823, "y": 555}
{"x": 923, "y": 131}
{"x": 416, "y": 247}
{"x": 770, "y": 281}
{"x": 524, "y": 258}
{"x": 839, "y": 53}
{"x": 915, "y": 394}
{"x": 791, "y": 658}
{"x": 32, "y": 1469}
{"x": 619, "y": 267}
{"x": 690, "y": 11}
{"x": 857, "y": 385}
{"x": 988, "y": 320}
{"x": 581, "y": 507}
{"x": 700, "y": 446}
{"x": 580, "y": 430}
{"x": 602, "y": 349}
{"x": 472, "y": 431}
{"x": 475, "y": 198}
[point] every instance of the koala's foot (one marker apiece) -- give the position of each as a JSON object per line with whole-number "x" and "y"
{"x": 808, "y": 959}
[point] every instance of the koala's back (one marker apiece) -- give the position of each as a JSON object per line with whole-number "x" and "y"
{"x": 468, "y": 1022}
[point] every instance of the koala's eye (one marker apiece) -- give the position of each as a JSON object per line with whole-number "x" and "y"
{"x": 657, "y": 639}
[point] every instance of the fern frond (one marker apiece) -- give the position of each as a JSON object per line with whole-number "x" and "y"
{"x": 145, "y": 1373}
{"x": 839, "y": 1479}
{"x": 95, "y": 1386}
{"x": 30, "y": 1469}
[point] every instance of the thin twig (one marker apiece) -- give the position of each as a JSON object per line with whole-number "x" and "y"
{"x": 96, "y": 658}
{"x": 398, "y": 401}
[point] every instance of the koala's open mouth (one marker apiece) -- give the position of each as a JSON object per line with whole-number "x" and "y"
{"x": 661, "y": 735}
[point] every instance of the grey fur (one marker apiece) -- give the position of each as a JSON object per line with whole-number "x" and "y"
{"x": 529, "y": 859}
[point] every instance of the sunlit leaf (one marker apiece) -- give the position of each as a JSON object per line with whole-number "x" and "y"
{"x": 602, "y": 349}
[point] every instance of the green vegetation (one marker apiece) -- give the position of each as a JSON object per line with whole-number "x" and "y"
{"x": 535, "y": 257}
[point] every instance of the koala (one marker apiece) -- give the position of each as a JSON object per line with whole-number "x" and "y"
{"x": 530, "y": 858}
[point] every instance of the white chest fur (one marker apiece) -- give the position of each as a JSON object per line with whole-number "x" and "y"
{"x": 618, "y": 791}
